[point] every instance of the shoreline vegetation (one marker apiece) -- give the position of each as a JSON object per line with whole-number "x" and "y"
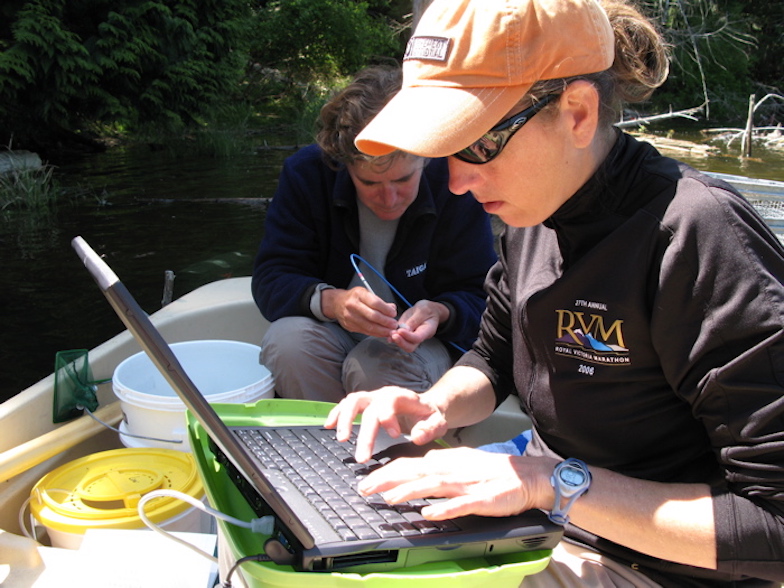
{"x": 213, "y": 68}
{"x": 205, "y": 77}
{"x": 770, "y": 136}
{"x": 28, "y": 183}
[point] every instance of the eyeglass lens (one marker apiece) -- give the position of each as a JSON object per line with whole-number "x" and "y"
{"x": 489, "y": 145}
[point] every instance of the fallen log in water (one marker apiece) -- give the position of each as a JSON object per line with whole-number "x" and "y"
{"x": 677, "y": 147}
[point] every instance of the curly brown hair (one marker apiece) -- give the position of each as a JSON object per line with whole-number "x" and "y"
{"x": 349, "y": 111}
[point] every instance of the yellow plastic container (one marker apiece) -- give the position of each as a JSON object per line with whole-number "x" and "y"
{"x": 102, "y": 491}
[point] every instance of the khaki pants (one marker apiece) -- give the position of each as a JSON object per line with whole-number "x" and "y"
{"x": 578, "y": 567}
{"x": 312, "y": 360}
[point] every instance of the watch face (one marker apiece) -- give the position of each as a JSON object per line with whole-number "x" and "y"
{"x": 572, "y": 476}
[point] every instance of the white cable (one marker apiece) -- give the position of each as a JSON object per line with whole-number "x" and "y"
{"x": 262, "y": 525}
{"x": 22, "y": 524}
{"x": 124, "y": 433}
{"x": 31, "y": 534}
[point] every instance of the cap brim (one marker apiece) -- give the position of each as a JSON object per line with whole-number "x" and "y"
{"x": 436, "y": 121}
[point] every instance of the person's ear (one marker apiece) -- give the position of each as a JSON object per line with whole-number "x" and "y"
{"x": 580, "y": 111}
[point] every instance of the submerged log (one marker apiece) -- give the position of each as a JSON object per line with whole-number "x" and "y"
{"x": 255, "y": 202}
{"x": 677, "y": 147}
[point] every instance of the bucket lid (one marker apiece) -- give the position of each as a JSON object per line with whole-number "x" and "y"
{"x": 104, "y": 489}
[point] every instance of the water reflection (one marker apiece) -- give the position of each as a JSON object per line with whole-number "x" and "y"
{"x": 764, "y": 163}
{"x": 147, "y": 213}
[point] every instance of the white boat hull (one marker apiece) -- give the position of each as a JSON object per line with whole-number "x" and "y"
{"x": 31, "y": 445}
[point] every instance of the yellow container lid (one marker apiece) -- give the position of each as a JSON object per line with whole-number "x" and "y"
{"x": 103, "y": 490}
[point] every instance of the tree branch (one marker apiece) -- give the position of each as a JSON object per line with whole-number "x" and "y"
{"x": 688, "y": 113}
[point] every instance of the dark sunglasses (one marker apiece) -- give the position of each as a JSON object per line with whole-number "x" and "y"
{"x": 489, "y": 145}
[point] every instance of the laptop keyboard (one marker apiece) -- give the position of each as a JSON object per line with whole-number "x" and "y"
{"x": 326, "y": 473}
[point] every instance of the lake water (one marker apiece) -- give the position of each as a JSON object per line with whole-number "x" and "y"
{"x": 147, "y": 213}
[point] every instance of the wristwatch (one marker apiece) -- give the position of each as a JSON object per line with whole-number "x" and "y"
{"x": 571, "y": 479}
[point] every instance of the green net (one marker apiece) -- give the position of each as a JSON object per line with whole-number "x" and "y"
{"x": 74, "y": 388}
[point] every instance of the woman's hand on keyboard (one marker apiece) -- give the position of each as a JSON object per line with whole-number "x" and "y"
{"x": 473, "y": 481}
{"x": 397, "y": 410}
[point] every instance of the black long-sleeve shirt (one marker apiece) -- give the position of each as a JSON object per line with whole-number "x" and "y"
{"x": 642, "y": 327}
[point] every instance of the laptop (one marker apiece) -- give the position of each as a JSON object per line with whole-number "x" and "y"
{"x": 303, "y": 536}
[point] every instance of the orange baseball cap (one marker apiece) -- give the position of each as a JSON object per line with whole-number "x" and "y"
{"x": 470, "y": 61}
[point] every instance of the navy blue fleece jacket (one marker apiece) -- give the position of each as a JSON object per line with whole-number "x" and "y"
{"x": 442, "y": 250}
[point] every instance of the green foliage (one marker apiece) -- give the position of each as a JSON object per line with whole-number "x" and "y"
{"x": 303, "y": 48}
{"x": 307, "y": 38}
{"x": 202, "y": 69}
{"x": 766, "y": 19}
{"x": 711, "y": 48}
{"x": 70, "y": 63}
{"x": 227, "y": 135}
{"x": 28, "y": 189}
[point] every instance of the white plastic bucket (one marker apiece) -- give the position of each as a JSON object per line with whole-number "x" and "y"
{"x": 223, "y": 371}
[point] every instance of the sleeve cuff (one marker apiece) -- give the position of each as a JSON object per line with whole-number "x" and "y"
{"x": 315, "y": 303}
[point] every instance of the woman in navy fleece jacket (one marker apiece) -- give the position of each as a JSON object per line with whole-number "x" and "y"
{"x": 330, "y": 332}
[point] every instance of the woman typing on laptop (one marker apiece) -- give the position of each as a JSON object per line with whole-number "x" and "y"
{"x": 637, "y": 308}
